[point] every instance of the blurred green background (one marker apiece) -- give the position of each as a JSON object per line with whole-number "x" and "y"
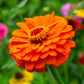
{"x": 13, "y": 11}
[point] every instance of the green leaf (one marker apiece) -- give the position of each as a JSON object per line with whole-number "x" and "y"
{"x": 11, "y": 63}
{"x": 22, "y": 3}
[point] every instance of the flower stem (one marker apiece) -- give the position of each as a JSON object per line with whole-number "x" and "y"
{"x": 56, "y": 75}
{"x": 52, "y": 75}
{"x": 66, "y": 72}
{"x": 52, "y": 81}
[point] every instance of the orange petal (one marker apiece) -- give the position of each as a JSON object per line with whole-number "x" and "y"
{"x": 31, "y": 70}
{"x": 40, "y": 48}
{"x": 19, "y": 61}
{"x": 44, "y": 55}
{"x": 35, "y": 57}
{"x": 30, "y": 23}
{"x": 34, "y": 46}
{"x": 40, "y": 70}
{"x": 38, "y": 20}
{"x": 13, "y": 57}
{"x": 56, "y": 28}
{"x": 60, "y": 58}
{"x": 50, "y": 60}
{"x": 52, "y": 17}
{"x": 70, "y": 34}
{"x": 20, "y": 33}
{"x": 52, "y": 52}
{"x": 27, "y": 57}
{"x": 51, "y": 46}
{"x": 23, "y": 26}
{"x": 42, "y": 21}
{"x": 57, "y": 21}
{"x": 45, "y": 49}
{"x": 18, "y": 39}
{"x": 66, "y": 48}
{"x": 39, "y": 64}
{"x": 29, "y": 65}
{"x": 54, "y": 40}
{"x": 56, "y": 31}
{"x": 47, "y": 20}
{"x": 22, "y": 65}
{"x": 61, "y": 42}
{"x": 60, "y": 49}
{"x": 13, "y": 50}
{"x": 67, "y": 28}
{"x": 61, "y": 19}
{"x": 18, "y": 45}
{"x": 71, "y": 43}
{"x": 18, "y": 56}
{"x": 53, "y": 25}
{"x": 25, "y": 51}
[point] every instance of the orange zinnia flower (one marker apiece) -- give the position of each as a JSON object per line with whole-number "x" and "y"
{"x": 42, "y": 39}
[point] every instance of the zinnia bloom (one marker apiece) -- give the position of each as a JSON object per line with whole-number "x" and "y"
{"x": 42, "y": 39}
{"x": 21, "y": 77}
{"x": 79, "y": 12}
{"x": 3, "y": 31}
{"x": 81, "y": 59}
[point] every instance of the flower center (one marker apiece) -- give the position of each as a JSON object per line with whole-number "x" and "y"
{"x": 36, "y": 31}
{"x": 19, "y": 75}
{"x": 38, "y": 35}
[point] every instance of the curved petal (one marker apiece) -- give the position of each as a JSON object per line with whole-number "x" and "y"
{"x": 40, "y": 70}
{"x": 61, "y": 41}
{"x": 70, "y": 34}
{"x": 35, "y": 57}
{"x": 30, "y": 23}
{"x": 67, "y": 28}
{"x": 20, "y": 33}
{"x": 29, "y": 65}
{"x": 23, "y": 26}
{"x": 18, "y": 39}
{"x": 50, "y": 60}
{"x": 40, "y": 64}
{"x": 27, "y": 57}
{"x": 60, "y": 58}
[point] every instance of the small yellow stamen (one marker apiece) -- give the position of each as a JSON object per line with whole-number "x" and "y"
{"x": 38, "y": 34}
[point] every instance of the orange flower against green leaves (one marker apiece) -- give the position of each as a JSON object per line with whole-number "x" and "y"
{"x": 42, "y": 39}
